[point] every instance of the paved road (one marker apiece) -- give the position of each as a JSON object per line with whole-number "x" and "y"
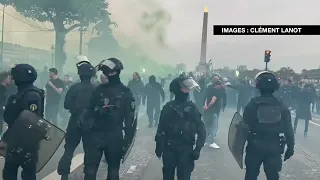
{"x": 213, "y": 164}
{"x": 219, "y": 164}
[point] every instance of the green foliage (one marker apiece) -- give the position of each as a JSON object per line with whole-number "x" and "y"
{"x": 60, "y": 12}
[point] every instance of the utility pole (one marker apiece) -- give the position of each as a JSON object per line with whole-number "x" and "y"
{"x": 267, "y": 55}
{"x": 266, "y": 67}
{"x": 81, "y": 38}
{"x": 52, "y": 56}
{"x": 2, "y": 36}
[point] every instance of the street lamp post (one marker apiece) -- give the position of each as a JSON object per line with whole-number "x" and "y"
{"x": 82, "y": 31}
{"x": 2, "y": 37}
{"x": 52, "y": 55}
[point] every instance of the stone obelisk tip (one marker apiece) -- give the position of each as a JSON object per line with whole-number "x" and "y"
{"x": 206, "y": 9}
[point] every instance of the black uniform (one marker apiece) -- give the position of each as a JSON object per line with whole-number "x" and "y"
{"x": 113, "y": 110}
{"x": 303, "y": 111}
{"x": 179, "y": 122}
{"x": 245, "y": 91}
{"x": 30, "y": 98}
{"x": 137, "y": 89}
{"x": 267, "y": 118}
{"x": 64, "y": 114}
{"x": 3, "y": 98}
{"x": 77, "y": 101}
{"x": 153, "y": 93}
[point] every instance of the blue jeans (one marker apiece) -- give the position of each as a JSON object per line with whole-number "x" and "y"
{"x": 212, "y": 123}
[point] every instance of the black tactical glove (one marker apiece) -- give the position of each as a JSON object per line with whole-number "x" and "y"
{"x": 158, "y": 152}
{"x": 289, "y": 153}
{"x": 196, "y": 153}
{"x": 159, "y": 147}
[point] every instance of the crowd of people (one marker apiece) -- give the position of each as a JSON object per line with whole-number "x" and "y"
{"x": 72, "y": 104}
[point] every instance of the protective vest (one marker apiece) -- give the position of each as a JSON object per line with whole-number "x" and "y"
{"x": 83, "y": 96}
{"x": 182, "y": 125}
{"x": 15, "y": 104}
{"x": 269, "y": 115}
{"x": 111, "y": 107}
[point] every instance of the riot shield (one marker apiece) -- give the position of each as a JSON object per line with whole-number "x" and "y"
{"x": 128, "y": 150}
{"x": 31, "y": 141}
{"x": 237, "y": 137}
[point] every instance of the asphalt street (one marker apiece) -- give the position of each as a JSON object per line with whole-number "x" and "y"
{"x": 219, "y": 164}
{"x": 214, "y": 164}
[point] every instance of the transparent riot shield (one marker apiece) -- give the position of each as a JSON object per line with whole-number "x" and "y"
{"x": 237, "y": 137}
{"x": 31, "y": 141}
{"x": 128, "y": 150}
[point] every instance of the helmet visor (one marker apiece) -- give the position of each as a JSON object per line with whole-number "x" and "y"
{"x": 190, "y": 84}
{"x": 82, "y": 62}
{"x": 107, "y": 63}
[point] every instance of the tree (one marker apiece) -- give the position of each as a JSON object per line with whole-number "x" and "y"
{"x": 103, "y": 26}
{"x": 249, "y": 73}
{"x": 105, "y": 44}
{"x": 242, "y": 68}
{"x": 65, "y": 15}
{"x": 286, "y": 73}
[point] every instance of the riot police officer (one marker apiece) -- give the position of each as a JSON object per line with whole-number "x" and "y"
{"x": 29, "y": 97}
{"x": 268, "y": 120}
{"x": 77, "y": 101}
{"x": 180, "y": 121}
{"x": 113, "y": 109}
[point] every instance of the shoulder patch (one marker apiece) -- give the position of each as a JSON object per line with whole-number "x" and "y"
{"x": 33, "y": 107}
{"x": 133, "y": 105}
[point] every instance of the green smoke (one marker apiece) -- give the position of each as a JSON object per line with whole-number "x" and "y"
{"x": 155, "y": 22}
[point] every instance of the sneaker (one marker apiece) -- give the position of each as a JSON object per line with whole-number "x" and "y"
{"x": 214, "y": 146}
{"x": 150, "y": 125}
{"x": 305, "y": 134}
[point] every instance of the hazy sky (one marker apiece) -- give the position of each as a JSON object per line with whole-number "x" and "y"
{"x": 184, "y": 31}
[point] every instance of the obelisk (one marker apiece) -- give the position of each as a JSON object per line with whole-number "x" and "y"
{"x": 203, "y": 67}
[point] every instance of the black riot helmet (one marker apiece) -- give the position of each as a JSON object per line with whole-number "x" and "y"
{"x": 266, "y": 82}
{"x": 110, "y": 66}
{"x": 23, "y": 73}
{"x": 183, "y": 85}
{"x": 85, "y": 69}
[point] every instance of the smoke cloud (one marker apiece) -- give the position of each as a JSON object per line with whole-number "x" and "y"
{"x": 141, "y": 31}
{"x": 142, "y": 28}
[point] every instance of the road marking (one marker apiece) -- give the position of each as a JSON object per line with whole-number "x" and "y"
{"x": 316, "y": 124}
{"x": 76, "y": 162}
{"x": 315, "y": 114}
{"x": 131, "y": 169}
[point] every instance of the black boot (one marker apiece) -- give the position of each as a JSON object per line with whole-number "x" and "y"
{"x": 64, "y": 177}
